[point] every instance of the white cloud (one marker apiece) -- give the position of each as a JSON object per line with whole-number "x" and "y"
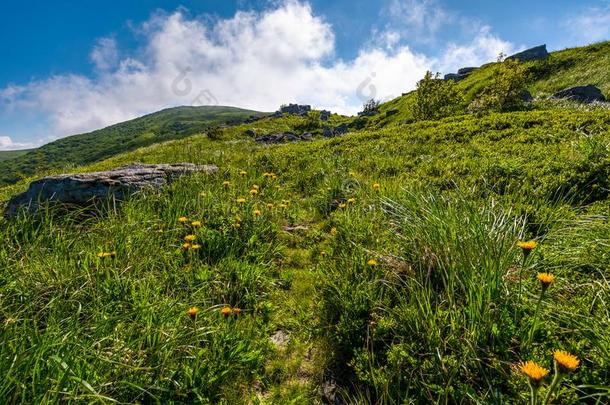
{"x": 105, "y": 54}
{"x": 252, "y": 60}
{"x": 6, "y": 143}
{"x": 419, "y": 20}
{"x": 593, "y": 25}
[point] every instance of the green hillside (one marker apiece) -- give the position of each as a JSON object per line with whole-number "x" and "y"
{"x": 11, "y": 154}
{"x": 173, "y": 123}
{"x": 379, "y": 267}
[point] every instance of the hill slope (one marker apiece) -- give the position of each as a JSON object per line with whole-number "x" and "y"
{"x": 173, "y": 123}
{"x": 11, "y": 154}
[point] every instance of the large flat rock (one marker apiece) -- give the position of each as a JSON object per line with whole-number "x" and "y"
{"x": 86, "y": 188}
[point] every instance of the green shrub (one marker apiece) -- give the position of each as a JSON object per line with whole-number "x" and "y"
{"x": 506, "y": 89}
{"x": 436, "y": 98}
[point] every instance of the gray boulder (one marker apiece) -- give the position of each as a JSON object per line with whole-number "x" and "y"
{"x": 536, "y": 53}
{"x": 328, "y": 132}
{"x": 249, "y": 132}
{"x": 583, "y": 94}
{"x": 526, "y": 96}
{"x": 307, "y": 136}
{"x": 341, "y": 129}
{"x": 91, "y": 188}
{"x": 466, "y": 70}
{"x": 324, "y": 115}
{"x": 295, "y": 109}
{"x": 456, "y": 77}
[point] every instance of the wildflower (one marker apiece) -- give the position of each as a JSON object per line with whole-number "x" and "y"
{"x": 269, "y": 206}
{"x": 323, "y": 253}
{"x": 103, "y": 255}
{"x": 376, "y": 186}
{"x": 255, "y": 187}
{"x": 273, "y": 176}
{"x": 243, "y": 172}
{"x": 534, "y": 372}
{"x": 183, "y": 220}
{"x": 527, "y": 246}
{"x": 192, "y": 312}
{"x": 287, "y": 202}
{"x": 196, "y": 247}
{"x": 226, "y": 184}
{"x": 372, "y": 262}
{"x": 256, "y": 213}
{"x": 190, "y": 238}
{"x": 241, "y": 200}
{"x": 186, "y": 246}
{"x": 196, "y": 224}
{"x": 226, "y": 311}
{"x": 283, "y": 206}
{"x": 565, "y": 361}
{"x": 546, "y": 279}
{"x": 202, "y": 194}
{"x": 351, "y": 200}
{"x": 113, "y": 254}
{"x": 236, "y": 311}
{"x": 342, "y": 205}
{"x": 353, "y": 174}
{"x": 333, "y": 231}
{"x": 237, "y": 225}
{"x": 267, "y": 174}
{"x": 253, "y": 192}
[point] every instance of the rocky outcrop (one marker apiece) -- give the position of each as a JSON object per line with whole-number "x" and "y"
{"x": 391, "y": 112}
{"x": 324, "y": 115}
{"x": 536, "y": 53}
{"x": 583, "y": 94}
{"x": 90, "y": 188}
{"x": 295, "y": 109}
{"x": 283, "y": 138}
{"x": 466, "y": 70}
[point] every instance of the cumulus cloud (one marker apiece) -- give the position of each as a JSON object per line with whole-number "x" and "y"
{"x": 255, "y": 60}
{"x": 419, "y": 20}
{"x": 592, "y": 25}
{"x": 6, "y": 143}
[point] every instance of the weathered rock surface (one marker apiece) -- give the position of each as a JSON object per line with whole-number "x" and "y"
{"x": 466, "y": 70}
{"x": 391, "y": 112}
{"x": 536, "y": 53}
{"x": 90, "y": 188}
{"x": 278, "y": 138}
{"x": 456, "y": 77}
{"x": 324, "y": 115}
{"x": 295, "y": 109}
{"x": 583, "y": 94}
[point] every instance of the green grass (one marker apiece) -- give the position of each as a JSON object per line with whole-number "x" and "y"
{"x": 11, "y": 154}
{"x": 78, "y": 150}
{"x": 445, "y": 316}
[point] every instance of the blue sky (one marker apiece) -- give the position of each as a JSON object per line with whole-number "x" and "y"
{"x": 69, "y": 67}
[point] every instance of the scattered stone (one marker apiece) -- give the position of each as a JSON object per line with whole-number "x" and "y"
{"x": 583, "y": 94}
{"x": 295, "y": 109}
{"x": 324, "y": 115}
{"x": 277, "y": 114}
{"x": 280, "y": 339}
{"x": 328, "y": 132}
{"x": 295, "y": 228}
{"x": 277, "y": 138}
{"x": 307, "y": 136}
{"x": 249, "y": 132}
{"x": 89, "y": 188}
{"x": 341, "y": 129}
{"x": 253, "y": 118}
{"x": 536, "y": 53}
{"x": 526, "y": 96}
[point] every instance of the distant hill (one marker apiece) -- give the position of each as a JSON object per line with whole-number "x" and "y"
{"x": 11, "y": 154}
{"x": 76, "y": 150}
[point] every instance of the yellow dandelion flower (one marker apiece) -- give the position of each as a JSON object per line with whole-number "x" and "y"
{"x": 333, "y": 231}
{"x": 226, "y": 184}
{"x": 196, "y": 247}
{"x": 533, "y": 371}
{"x": 253, "y": 192}
{"x": 202, "y": 194}
{"x": 183, "y": 220}
{"x": 376, "y": 186}
{"x": 226, "y": 311}
{"x": 372, "y": 262}
{"x": 196, "y": 224}
{"x": 342, "y": 205}
{"x": 186, "y": 246}
{"x": 351, "y": 200}
{"x": 527, "y": 246}
{"x": 267, "y": 174}
{"x": 546, "y": 279}
{"x": 287, "y": 202}
{"x": 236, "y": 311}
{"x": 190, "y": 238}
{"x": 243, "y": 172}
{"x": 255, "y": 187}
{"x": 241, "y": 200}
{"x": 257, "y": 213}
{"x": 269, "y": 205}
{"x": 565, "y": 361}
{"x": 283, "y": 206}
{"x": 323, "y": 253}
{"x": 353, "y": 174}
{"x": 237, "y": 225}
{"x": 192, "y": 312}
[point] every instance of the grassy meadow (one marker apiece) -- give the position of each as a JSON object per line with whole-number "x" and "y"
{"x": 380, "y": 267}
